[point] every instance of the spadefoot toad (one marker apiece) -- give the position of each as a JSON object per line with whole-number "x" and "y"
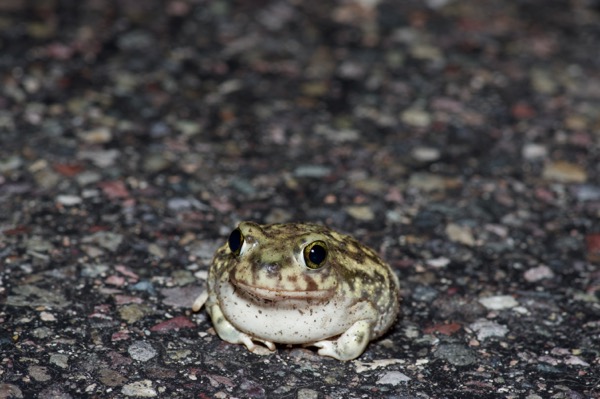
{"x": 299, "y": 283}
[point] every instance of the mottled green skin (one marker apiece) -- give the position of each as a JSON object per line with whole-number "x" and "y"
{"x": 267, "y": 294}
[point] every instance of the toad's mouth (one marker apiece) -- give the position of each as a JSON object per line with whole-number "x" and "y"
{"x": 274, "y": 294}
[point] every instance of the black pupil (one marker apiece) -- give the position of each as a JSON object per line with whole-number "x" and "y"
{"x": 235, "y": 240}
{"x": 317, "y": 254}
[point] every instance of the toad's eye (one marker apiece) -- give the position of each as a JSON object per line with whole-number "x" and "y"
{"x": 236, "y": 239}
{"x": 315, "y": 254}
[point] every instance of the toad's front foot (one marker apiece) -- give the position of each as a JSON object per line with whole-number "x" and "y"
{"x": 349, "y": 345}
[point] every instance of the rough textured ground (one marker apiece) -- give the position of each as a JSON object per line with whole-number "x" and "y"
{"x": 460, "y": 139}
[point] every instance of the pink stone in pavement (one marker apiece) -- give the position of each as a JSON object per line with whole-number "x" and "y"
{"x": 114, "y": 189}
{"x": 127, "y": 272}
{"x": 175, "y": 323}
{"x": 126, "y": 299}
{"x": 120, "y": 336}
{"x": 115, "y": 280}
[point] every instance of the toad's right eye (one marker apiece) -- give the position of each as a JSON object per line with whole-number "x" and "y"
{"x": 236, "y": 240}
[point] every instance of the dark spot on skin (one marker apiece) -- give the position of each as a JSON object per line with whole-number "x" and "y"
{"x": 292, "y": 278}
{"x": 373, "y": 259}
{"x": 311, "y": 285}
{"x": 287, "y": 260}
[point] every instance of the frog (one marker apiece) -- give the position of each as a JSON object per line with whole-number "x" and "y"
{"x": 299, "y": 284}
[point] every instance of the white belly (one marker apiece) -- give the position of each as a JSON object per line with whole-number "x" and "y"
{"x": 291, "y": 321}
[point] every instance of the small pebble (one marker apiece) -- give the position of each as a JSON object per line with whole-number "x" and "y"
{"x": 438, "y": 263}
{"x": 144, "y": 286}
{"x": 122, "y": 335}
{"x": 133, "y": 312}
{"x": 47, "y": 316}
{"x": 184, "y": 204}
{"x": 181, "y": 297}
{"x": 315, "y": 171}
{"x": 243, "y": 186}
{"x": 416, "y": 117}
{"x": 179, "y": 354}
{"x": 68, "y": 200}
{"x": 499, "y": 302}
{"x": 39, "y": 373}
{"x": 141, "y": 351}
{"x": 105, "y": 239}
{"x": 53, "y": 392}
{"x": 204, "y": 249}
{"x": 564, "y": 172}
{"x": 188, "y": 128}
{"x": 428, "y": 52}
{"x": 443, "y": 328}
{"x": 11, "y": 163}
{"x": 101, "y": 158}
{"x": 362, "y": 367}
{"x": 176, "y": 323}
{"x": 360, "y": 212}
{"x": 455, "y": 354}
{"x": 42, "y": 332}
{"x": 533, "y": 151}
{"x": 157, "y": 250}
{"x": 543, "y": 81}
{"x": 155, "y": 163}
{"x": 9, "y": 391}
{"x": 548, "y": 369}
{"x": 59, "y": 359}
{"x": 393, "y": 378}
{"x": 114, "y": 189}
{"x": 93, "y": 270}
{"x": 461, "y": 234}
{"x": 426, "y": 154}
{"x": 47, "y": 179}
{"x": 86, "y": 178}
{"x": 306, "y": 393}
{"x": 487, "y": 328}
{"x": 99, "y": 135}
{"x": 549, "y": 359}
{"x": 423, "y": 293}
{"x": 140, "y": 389}
{"x": 592, "y": 246}
{"x": 538, "y": 273}
{"x": 182, "y": 278}
{"x": 111, "y": 378}
{"x": 427, "y": 182}
{"x": 32, "y": 296}
{"x": 587, "y": 192}
{"x": 576, "y": 361}
{"x": 117, "y": 281}
{"x": 38, "y": 244}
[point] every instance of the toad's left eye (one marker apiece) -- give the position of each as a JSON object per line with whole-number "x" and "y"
{"x": 315, "y": 254}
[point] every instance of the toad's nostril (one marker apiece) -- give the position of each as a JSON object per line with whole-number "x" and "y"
{"x": 271, "y": 268}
